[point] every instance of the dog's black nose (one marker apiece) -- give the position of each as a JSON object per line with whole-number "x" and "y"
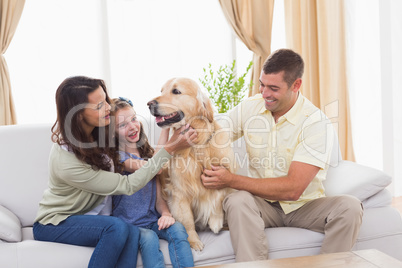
{"x": 153, "y": 107}
{"x": 152, "y": 103}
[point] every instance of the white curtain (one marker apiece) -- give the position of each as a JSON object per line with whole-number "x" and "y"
{"x": 375, "y": 65}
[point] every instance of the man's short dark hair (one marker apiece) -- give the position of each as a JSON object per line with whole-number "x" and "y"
{"x": 285, "y": 60}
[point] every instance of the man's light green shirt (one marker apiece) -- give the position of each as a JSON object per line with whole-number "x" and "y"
{"x": 303, "y": 134}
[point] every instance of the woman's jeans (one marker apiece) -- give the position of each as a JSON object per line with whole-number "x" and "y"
{"x": 115, "y": 242}
{"x": 179, "y": 247}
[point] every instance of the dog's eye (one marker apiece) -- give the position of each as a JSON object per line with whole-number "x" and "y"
{"x": 176, "y": 91}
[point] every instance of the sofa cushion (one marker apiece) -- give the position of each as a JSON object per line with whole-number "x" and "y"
{"x": 381, "y": 199}
{"x": 10, "y": 227}
{"x": 22, "y": 187}
{"x": 354, "y": 179}
{"x": 381, "y": 229}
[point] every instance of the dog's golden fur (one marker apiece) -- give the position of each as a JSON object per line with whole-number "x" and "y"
{"x": 193, "y": 205}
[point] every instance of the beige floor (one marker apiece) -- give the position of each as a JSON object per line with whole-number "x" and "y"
{"x": 397, "y": 203}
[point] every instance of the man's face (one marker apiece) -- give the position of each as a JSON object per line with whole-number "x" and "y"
{"x": 278, "y": 96}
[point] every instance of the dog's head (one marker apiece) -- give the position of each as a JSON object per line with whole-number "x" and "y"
{"x": 181, "y": 101}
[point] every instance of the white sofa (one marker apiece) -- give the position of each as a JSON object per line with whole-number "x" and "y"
{"x": 24, "y": 154}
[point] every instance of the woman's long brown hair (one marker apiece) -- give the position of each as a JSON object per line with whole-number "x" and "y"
{"x": 71, "y": 98}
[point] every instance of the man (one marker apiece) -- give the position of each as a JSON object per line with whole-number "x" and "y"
{"x": 289, "y": 143}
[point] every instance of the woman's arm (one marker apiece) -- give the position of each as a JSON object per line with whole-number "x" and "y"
{"x": 166, "y": 220}
{"x": 72, "y": 171}
{"x": 131, "y": 164}
{"x": 163, "y": 139}
{"x": 66, "y": 167}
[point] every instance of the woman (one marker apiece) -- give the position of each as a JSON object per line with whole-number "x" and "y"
{"x": 75, "y": 208}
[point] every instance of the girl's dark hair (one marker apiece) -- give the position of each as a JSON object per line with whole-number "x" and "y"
{"x": 144, "y": 148}
{"x": 68, "y": 130}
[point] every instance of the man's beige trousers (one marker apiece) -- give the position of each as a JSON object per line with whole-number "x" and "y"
{"x": 338, "y": 217}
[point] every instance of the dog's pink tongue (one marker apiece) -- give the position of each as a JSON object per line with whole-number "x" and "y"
{"x": 159, "y": 119}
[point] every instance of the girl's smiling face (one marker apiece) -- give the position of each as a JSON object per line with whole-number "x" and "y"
{"x": 127, "y": 126}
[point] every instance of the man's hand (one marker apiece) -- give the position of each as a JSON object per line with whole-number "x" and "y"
{"x": 217, "y": 178}
{"x": 165, "y": 221}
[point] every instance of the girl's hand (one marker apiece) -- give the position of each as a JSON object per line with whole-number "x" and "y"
{"x": 165, "y": 221}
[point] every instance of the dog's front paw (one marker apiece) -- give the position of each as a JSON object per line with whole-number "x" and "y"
{"x": 197, "y": 245}
{"x": 195, "y": 241}
{"x": 215, "y": 223}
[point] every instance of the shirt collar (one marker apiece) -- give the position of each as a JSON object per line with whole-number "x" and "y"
{"x": 263, "y": 109}
{"x": 294, "y": 112}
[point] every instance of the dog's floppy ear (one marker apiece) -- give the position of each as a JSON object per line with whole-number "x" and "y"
{"x": 206, "y": 106}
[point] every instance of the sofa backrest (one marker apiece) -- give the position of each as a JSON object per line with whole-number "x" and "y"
{"x": 24, "y": 155}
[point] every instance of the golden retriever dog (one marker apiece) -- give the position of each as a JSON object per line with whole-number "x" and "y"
{"x": 197, "y": 208}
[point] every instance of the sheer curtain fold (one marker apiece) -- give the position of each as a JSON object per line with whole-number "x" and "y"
{"x": 10, "y": 12}
{"x": 252, "y": 22}
{"x": 315, "y": 29}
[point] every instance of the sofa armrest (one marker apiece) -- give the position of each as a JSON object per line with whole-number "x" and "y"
{"x": 355, "y": 179}
{"x": 10, "y": 226}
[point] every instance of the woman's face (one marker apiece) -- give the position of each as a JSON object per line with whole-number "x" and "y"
{"x": 97, "y": 111}
{"x": 127, "y": 126}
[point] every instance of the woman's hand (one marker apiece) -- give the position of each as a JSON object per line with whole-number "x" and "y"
{"x": 163, "y": 139}
{"x": 165, "y": 221}
{"x": 182, "y": 138}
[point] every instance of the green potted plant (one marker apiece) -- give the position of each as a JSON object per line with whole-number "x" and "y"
{"x": 224, "y": 87}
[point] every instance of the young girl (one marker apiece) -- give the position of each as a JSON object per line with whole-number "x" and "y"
{"x": 146, "y": 208}
{"x": 74, "y": 208}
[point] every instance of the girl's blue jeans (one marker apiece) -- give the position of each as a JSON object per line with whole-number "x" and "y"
{"x": 179, "y": 247}
{"x": 115, "y": 242}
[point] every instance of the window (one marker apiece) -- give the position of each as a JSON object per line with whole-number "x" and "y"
{"x": 135, "y": 46}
